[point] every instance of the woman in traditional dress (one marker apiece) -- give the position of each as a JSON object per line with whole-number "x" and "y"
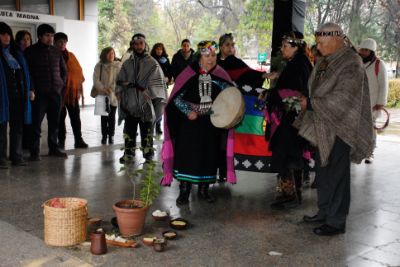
{"x": 15, "y": 96}
{"x": 286, "y": 145}
{"x": 104, "y": 81}
{"x": 191, "y": 142}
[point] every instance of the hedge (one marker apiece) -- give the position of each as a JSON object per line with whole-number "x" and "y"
{"x": 394, "y": 93}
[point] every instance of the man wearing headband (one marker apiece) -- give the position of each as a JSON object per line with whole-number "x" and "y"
{"x": 141, "y": 91}
{"x": 336, "y": 118}
{"x": 182, "y": 58}
{"x": 377, "y": 80}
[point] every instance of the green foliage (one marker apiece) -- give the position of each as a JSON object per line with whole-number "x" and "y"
{"x": 256, "y": 22}
{"x": 394, "y": 93}
{"x": 150, "y": 188}
{"x": 149, "y": 174}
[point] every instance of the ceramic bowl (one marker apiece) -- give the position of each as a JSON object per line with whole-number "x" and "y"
{"x": 160, "y": 218}
{"x": 179, "y": 224}
{"x": 148, "y": 241}
{"x": 170, "y": 234}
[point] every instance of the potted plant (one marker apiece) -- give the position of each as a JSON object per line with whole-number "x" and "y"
{"x": 131, "y": 213}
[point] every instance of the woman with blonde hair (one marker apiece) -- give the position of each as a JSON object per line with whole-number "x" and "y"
{"x": 104, "y": 79}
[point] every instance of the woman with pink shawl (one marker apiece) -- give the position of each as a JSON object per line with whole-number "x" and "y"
{"x": 191, "y": 142}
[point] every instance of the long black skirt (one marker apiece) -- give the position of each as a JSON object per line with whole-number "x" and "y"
{"x": 197, "y": 146}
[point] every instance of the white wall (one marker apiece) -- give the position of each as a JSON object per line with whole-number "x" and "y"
{"x": 82, "y": 41}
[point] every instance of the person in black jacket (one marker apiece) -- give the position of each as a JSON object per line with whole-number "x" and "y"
{"x": 158, "y": 53}
{"x": 15, "y": 97}
{"x": 182, "y": 58}
{"x": 48, "y": 73}
{"x": 283, "y": 104}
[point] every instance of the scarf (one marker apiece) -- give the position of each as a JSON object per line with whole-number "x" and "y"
{"x": 11, "y": 61}
{"x": 341, "y": 105}
{"x": 4, "y": 100}
{"x": 75, "y": 79}
{"x": 167, "y": 151}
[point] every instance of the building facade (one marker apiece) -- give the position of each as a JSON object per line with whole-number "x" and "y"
{"x": 77, "y": 18}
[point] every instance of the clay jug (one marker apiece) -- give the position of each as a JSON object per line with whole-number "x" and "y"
{"x": 98, "y": 243}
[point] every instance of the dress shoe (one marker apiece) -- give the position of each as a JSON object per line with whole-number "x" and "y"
{"x": 57, "y": 153}
{"x": 327, "y": 230}
{"x": 81, "y": 144}
{"x": 111, "y": 140}
{"x": 313, "y": 219}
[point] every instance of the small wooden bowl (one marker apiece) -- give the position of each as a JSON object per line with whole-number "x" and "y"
{"x": 179, "y": 226}
{"x": 159, "y": 244}
{"x": 160, "y": 218}
{"x": 169, "y": 234}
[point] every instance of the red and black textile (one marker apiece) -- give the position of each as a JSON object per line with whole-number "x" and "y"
{"x": 250, "y": 147}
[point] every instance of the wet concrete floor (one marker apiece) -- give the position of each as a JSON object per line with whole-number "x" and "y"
{"x": 240, "y": 229}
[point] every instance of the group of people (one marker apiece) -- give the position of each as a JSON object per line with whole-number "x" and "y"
{"x": 37, "y": 80}
{"x": 320, "y": 104}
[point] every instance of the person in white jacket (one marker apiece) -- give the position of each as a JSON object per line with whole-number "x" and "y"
{"x": 377, "y": 80}
{"x": 104, "y": 81}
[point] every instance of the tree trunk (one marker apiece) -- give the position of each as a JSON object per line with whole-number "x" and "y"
{"x": 355, "y": 21}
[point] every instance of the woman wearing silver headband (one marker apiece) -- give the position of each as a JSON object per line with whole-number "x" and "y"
{"x": 191, "y": 142}
{"x": 282, "y": 104}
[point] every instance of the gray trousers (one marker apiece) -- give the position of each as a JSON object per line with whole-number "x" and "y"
{"x": 333, "y": 185}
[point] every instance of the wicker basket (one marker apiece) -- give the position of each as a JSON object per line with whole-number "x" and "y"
{"x": 65, "y": 226}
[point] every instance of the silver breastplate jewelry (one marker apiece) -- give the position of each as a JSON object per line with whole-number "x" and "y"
{"x": 205, "y": 89}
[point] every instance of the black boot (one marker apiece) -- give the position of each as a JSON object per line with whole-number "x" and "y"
{"x": 185, "y": 188}
{"x": 203, "y": 193}
{"x": 79, "y": 143}
{"x": 104, "y": 140}
{"x": 111, "y": 139}
{"x": 287, "y": 194}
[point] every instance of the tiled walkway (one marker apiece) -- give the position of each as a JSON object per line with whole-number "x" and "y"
{"x": 240, "y": 229}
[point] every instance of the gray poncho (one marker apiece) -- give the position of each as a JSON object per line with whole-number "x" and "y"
{"x": 140, "y": 75}
{"x": 341, "y": 106}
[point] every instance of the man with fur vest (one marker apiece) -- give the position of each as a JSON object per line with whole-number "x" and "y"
{"x": 377, "y": 80}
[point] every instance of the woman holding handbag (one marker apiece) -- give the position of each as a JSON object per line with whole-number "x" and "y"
{"x": 104, "y": 78}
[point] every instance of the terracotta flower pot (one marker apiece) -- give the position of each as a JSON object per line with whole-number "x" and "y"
{"x": 130, "y": 220}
